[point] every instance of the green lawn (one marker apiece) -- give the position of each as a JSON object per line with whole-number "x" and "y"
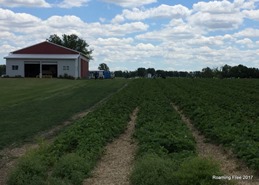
{"x": 28, "y": 106}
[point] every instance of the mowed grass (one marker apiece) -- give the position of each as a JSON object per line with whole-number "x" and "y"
{"x": 30, "y": 106}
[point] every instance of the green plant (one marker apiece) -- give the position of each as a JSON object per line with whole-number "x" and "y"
{"x": 72, "y": 167}
{"x": 225, "y": 111}
{"x": 30, "y": 171}
{"x": 152, "y": 170}
{"x": 198, "y": 171}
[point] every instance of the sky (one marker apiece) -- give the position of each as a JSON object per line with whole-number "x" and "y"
{"x": 128, "y": 34}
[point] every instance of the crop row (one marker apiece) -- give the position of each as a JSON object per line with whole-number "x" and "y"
{"x": 166, "y": 148}
{"x": 74, "y": 153}
{"x": 225, "y": 111}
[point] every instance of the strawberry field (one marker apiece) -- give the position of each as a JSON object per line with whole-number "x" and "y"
{"x": 167, "y": 151}
{"x": 225, "y": 111}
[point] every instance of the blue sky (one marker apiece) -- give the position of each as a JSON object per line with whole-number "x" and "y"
{"x": 127, "y": 34}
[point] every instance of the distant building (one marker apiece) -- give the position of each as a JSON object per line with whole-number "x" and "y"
{"x": 47, "y": 59}
{"x": 149, "y": 75}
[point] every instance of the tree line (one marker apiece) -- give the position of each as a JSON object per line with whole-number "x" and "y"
{"x": 226, "y": 71}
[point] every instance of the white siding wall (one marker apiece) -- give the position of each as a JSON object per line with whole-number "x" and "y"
{"x": 14, "y": 62}
{"x": 71, "y": 65}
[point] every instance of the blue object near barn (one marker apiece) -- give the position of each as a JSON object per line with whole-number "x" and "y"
{"x": 106, "y": 74}
{"x": 101, "y": 74}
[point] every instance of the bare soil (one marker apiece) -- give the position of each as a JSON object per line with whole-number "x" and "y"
{"x": 116, "y": 164}
{"x": 9, "y": 155}
{"x": 229, "y": 164}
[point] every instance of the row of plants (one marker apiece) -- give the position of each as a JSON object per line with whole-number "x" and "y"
{"x": 74, "y": 153}
{"x": 225, "y": 111}
{"x": 166, "y": 148}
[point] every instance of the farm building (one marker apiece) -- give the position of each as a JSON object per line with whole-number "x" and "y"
{"x": 47, "y": 59}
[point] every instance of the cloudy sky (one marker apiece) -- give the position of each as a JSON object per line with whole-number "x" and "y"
{"x": 127, "y": 34}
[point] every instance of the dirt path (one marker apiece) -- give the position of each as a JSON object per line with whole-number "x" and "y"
{"x": 116, "y": 164}
{"x": 9, "y": 156}
{"x": 230, "y": 165}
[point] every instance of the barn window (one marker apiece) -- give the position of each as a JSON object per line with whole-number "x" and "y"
{"x": 14, "y": 67}
{"x": 65, "y": 68}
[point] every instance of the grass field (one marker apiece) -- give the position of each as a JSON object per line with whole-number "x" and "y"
{"x": 28, "y": 106}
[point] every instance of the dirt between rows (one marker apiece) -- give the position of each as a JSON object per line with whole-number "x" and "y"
{"x": 229, "y": 164}
{"x": 116, "y": 164}
{"x": 9, "y": 155}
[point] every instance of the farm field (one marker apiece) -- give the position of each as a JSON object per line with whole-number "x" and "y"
{"x": 225, "y": 111}
{"x": 29, "y": 106}
{"x": 167, "y": 150}
{"x": 75, "y": 151}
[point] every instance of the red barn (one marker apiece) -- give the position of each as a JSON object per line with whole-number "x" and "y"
{"x": 47, "y": 59}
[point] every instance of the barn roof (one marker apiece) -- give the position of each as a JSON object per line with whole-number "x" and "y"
{"x": 42, "y": 56}
{"x": 45, "y": 47}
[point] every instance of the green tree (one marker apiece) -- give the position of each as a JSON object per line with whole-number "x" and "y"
{"x": 73, "y": 42}
{"x": 141, "y": 72}
{"x": 161, "y": 73}
{"x": 152, "y": 71}
{"x": 118, "y": 73}
{"x": 104, "y": 67}
{"x": 226, "y": 71}
{"x": 207, "y": 72}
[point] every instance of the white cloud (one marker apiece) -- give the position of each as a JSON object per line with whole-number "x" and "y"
{"x": 68, "y": 21}
{"x": 145, "y": 47}
{"x": 248, "y": 4}
{"x": 118, "y": 19}
{"x": 43, "y": 3}
{"x": 124, "y": 51}
{"x": 215, "y": 7}
{"x": 16, "y": 21}
{"x": 113, "y": 41}
{"x": 246, "y": 41}
{"x": 216, "y": 21}
{"x": 210, "y": 41}
{"x": 6, "y": 47}
{"x": 248, "y": 32}
{"x": 72, "y": 3}
{"x": 175, "y": 30}
{"x": 130, "y": 3}
{"x": 32, "y": 25}
{"x": 162, "y": 11}
{"x": 217, "y": 15}
{"x": 126, "y": 28}
{"x": 24, "y": 3}
{"x": 251, "y": 14}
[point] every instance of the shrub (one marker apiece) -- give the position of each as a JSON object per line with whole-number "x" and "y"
{"x": 198, "y": 171}
{"x": 30, "y": 170}
{"x": 72, "y": 167}
{"x": 66, "y": 76}
{"x": 152, "y": 170}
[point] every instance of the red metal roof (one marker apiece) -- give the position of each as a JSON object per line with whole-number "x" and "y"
{"x": 46, "y": 48}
